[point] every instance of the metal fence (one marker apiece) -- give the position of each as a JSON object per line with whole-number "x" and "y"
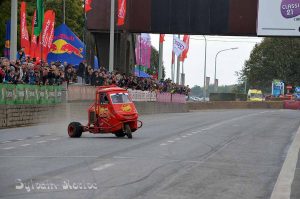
{"x": 30, "y": 94}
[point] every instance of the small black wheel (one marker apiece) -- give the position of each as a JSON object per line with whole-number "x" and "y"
{"x": 128, "y": 131}
{"x": 120, "y": 134}
{"x": 75, "y": 130}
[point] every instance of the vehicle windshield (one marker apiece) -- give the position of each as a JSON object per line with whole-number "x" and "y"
{"x": 255, "y": 95}
{"x": 119, "y": 98}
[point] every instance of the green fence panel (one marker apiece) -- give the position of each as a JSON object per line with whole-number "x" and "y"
{"x": 30, "y": 94}
{"x": 2, "y": 94}
{"x": 20, "y": 94}
{"x": 51, "y": 94}
{"x": 33, "y": 94}
{"x": 27, "y": 98}
{"x": 58, "y": 92}
{"x": 43, "y": 95}
{"x": 10, "y": 94}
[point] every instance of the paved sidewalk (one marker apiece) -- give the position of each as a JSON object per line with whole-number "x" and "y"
{"x": 295, "y": 194}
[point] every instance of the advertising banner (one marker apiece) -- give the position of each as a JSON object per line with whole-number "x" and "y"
{"x": 278, "y": 18}
{"x": 20, "y": 94}
{"x": 143, "y": 50}
{"x": 25, "y": 43}
{"x": 30, "y": 94}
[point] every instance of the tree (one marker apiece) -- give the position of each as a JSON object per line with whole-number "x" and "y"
{"x": 274, "y": 58}
{"x": 74, "y": 16}
{"x": 155, "y": 63}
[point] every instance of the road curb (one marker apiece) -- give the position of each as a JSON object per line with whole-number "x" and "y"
{"x": 282, "y": 188}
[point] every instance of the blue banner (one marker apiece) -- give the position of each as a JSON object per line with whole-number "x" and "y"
{"x": 66, "y": 47}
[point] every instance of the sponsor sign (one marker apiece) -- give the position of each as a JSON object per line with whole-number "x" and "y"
{"x": 278, "y": 18}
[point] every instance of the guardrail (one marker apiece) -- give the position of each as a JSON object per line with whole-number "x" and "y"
{"x": 11, "y": 94}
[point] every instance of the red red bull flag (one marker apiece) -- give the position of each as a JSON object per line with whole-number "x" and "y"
{"x": 66, "y": 47}
{"x": 121, "y": 12}
{"x": 186, "y": 40}
{"x": 25, "y": 43}
{"x": 47, "y": 33}
{"x": 33, "y": 43}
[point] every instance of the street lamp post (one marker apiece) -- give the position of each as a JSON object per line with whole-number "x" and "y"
{"x": 215, "y": 85}
{"x": 204, "y": 84}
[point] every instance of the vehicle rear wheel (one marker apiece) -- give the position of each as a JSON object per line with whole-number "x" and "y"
{"x": 120, "y": 134}
{"x": 75, "y": 130}
{"x": 128, "y": 131}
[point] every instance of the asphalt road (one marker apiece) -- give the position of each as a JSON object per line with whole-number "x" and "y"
{"x": 226, "y": 154}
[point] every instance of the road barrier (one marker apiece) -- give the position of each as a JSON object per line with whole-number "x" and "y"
{"x": 87, "y": 93}
{"x": 292, "y": 104}
{"x": 11, "y": 94}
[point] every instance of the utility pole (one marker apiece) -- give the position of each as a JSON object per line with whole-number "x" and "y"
{"x": 112, "y": 36}
{"x": 161, "y": 48}
{"x": 13, "y": 30}
{"x": 204, "y": 84}
{"x": 178, "y": 68}
{"x": 64, "y": 11}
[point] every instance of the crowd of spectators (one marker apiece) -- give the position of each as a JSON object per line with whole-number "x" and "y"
{"x": 36, "y": 73}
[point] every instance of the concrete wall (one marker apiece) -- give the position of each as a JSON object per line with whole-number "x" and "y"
{"x": 22, "y": 115}
{"x": 234, "y": 105}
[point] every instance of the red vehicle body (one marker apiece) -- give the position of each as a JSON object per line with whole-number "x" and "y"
{"x": 112, "y": 112}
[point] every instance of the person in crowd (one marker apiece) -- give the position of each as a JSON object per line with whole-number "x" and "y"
{"x": 81, "y": 72}
{"x": 21, "y": 55}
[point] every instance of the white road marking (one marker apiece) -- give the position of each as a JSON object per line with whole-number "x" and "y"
{"x": 177, "y": 139}
{"x": 39, "y": 142}
{"x": 189, "y": 134}
{"x": 103, "y": 167}
{"x": 282, "y": 188}
{"x": 8, "y": 148}
{"x": 122, "y": 157}
{"x": 170, "y": 141}
{"x": 25, "y": 144}
{"x": 53, "y": 139}
{"x": 195, "y": 132}
{"x": 5, "y": 142}
{"x": 183, "y": 136}
{"x": 20, "y": 139}
{"x": 163, "y": 144}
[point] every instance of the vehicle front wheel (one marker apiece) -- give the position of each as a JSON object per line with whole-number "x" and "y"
{"x": 75, "y": 130}
{"x": 128, "y": 131}
{"x": 120, "y": 134}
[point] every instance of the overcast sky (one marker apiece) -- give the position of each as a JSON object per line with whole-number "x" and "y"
{"x": 227, "y": 62}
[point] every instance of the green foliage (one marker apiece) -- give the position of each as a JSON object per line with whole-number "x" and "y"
{"x": 74, "y": 16}
{"x": 274, "y": 58}
{"x": 155, "y": 63}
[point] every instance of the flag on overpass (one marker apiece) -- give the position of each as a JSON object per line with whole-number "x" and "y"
{"x": 121, "y": 12}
